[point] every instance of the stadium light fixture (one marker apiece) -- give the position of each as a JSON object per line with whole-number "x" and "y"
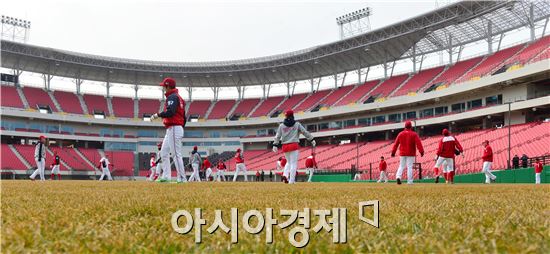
{"x": 354, "y": 23}
{"x": 15, "y": 29}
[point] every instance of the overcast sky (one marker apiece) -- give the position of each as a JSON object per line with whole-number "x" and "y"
{"x": 195, "y": 30}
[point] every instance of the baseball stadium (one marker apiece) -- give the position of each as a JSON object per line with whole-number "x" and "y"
{"x": 442, "y": 117}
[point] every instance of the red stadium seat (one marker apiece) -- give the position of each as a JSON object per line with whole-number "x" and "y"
{"x": 37, "y": 96}
{"x": 123, "y": 107}
{"x": 457, "y": 70}
{"x": 198, "y": 108}
{"x": 221, "y": 109}
{"x": 10, "y": 97}
{"x": 267, "y": 106}
{"x": 148, "y": 106}
{"x": 68, "y": 102}
{"x": 389, "y": 85}
{"x": 418, "y": 81}
{"x": 96, "y": 103}
{"x": 336, "y": 95}
{"x": 358, "y": 92}
{"x": 312, "y": 100}
{"x": 245, "y": 106}
{"x": 292, "y": 101}
{"x": 9, "y": 160}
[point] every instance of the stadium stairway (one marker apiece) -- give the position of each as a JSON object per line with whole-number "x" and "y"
{"x": 210, "y": 108}
{"x": 84, "y": 158}
{"x": 83, "y": 104}
{"x": 22, "y": 97}
{"x": 136, "y": 108}
{"x": 432, "y": 81}
{"x": 256, "y": 106}
{"x": 461, "y": 75}
{"x": 110, "y": 106}
{"x": 417, "y": 80}
{"x": 270, "y": 105}
{"x": 55, "y": 102}
{"x": 337, "y": 102}
{"x": 20, "y": 157}
{"x": 233, "y": 108}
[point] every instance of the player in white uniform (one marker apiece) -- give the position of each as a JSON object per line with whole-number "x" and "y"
{"x": 288, "y": 134}
{"x": 173, "y": 118}
{"x": 40, "y": 158}
{"x": 104, "y": 166}
{"x": 152, "y": 168}
{"x": 195, "y": 161}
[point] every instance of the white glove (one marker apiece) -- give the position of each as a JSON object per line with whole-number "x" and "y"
{"x": 275, "y": 149}
{"x": 313, "y": 143}
{"x": 154, "y": 116}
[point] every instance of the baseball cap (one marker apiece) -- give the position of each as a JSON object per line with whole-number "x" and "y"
{"x": 289, "y": 113}
{"x": 168, "y": 82}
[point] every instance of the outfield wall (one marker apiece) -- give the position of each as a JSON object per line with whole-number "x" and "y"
{"x": 503, "y": 176}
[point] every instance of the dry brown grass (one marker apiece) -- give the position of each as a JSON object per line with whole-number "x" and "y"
{"x": 130, "y": 217}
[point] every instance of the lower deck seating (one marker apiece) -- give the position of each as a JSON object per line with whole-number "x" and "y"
{"x": 531, "y": 139}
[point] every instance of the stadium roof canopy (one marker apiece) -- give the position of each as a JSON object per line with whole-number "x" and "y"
{"x": 452, "y": 26}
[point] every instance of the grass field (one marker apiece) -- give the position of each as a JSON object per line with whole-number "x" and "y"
{"x": 130, "y": 217}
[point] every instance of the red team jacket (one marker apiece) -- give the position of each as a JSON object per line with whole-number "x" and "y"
{"x": 407, "y": 141}
{"x": 174, "y": 110}
{"x": 538, "y": 167}
{"x": 447, "y": 147}
{"x": 238, "y": 158}
{"x": 56, "y": 160}
{"x": 221, "y": 166}
{"x": 206, "y": 164}
{"x": 310, "y": 162}
{"x": 487, "y": 154}
{"x": 382, "y": 165}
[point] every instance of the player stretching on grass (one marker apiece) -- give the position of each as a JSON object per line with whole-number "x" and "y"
{"x": 382, "y": 166}
{"x": 448, "y": 147}
{"x": 221, "y": 171}
{"x": 207, "y": 167}
{"x": 196, "y": 161}
{"x": 173, "y": 118}
{"x": 40, "y": 158}
{"x": 55, "y": 166}
{"x": 152, "y": 168}
{"x": 104, "y": 166}
{"x": 288, "y": 134}
{"x": 239, "y": 165}
{"x": 311, "y": 165}
{"x": 487, "y": 162}
{"x": 407, "y": 141}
